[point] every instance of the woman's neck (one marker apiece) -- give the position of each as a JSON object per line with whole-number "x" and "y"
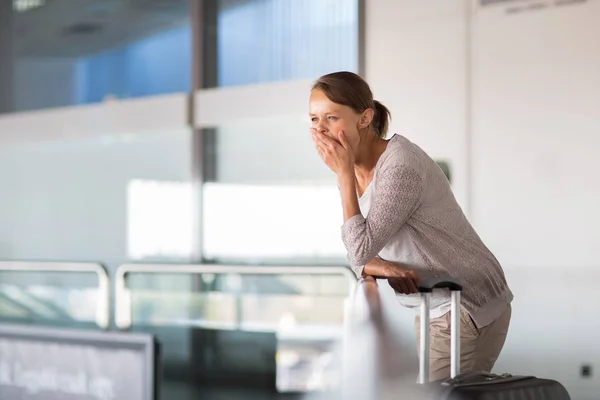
{"x": 368, "y": 155}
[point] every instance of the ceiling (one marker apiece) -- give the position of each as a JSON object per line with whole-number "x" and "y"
{"x": 75, "y": 28}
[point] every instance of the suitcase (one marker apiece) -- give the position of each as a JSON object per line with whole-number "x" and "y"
{"x": 475, "y": 385}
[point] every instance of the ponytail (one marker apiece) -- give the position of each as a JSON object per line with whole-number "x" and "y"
{"x": 381, "y": 119}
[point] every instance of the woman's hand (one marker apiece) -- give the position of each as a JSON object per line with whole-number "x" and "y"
{"x": 337, "y": 155}
{"x": 402, "y": 280}
{"x": 407, "y": 282}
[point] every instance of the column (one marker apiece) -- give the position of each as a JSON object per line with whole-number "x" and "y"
{"x": 6, "y": 57}
{"x": 204, "y": 17}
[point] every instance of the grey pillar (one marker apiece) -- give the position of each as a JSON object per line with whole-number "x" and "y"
{"x": 6, "y": 57}
{"x": 203, "y": 14}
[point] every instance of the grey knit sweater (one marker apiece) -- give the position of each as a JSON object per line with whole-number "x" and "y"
{"x": 413, "y": 218}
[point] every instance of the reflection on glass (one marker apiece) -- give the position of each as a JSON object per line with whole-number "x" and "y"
{"x": 26, "y": 5}
{"x": 242, "y": 302}
{"x": 273, "y": 40}
{"x": 73, "y": 52}
{"x": 277, "y": 332}
{"x": 306, "y": 364}
{"x": 48, "y": 298}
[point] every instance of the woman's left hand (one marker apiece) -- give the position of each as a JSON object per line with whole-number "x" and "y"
{"x": 336, "y": 154}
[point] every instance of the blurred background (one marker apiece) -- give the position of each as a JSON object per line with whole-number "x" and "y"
{"x": 156, "y": 176}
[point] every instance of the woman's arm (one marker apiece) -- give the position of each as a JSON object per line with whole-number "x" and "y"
{"x": 400, "y": 279}
{"x": 347, "y": 185}
{"x": 398, "y": 195}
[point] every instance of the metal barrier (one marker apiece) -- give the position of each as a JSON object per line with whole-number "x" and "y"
{"x": 103, "y": 305}
{"x": 123, "y": 304}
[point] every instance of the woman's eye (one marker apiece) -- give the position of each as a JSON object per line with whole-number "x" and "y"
{"x": 333, "y": 118}
{"x": 314, "y": 119}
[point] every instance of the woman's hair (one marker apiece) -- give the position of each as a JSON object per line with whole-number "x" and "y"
{"x": 349, "y": 89}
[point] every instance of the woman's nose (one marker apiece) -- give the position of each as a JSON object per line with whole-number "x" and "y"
{"x": 320, "y": 127}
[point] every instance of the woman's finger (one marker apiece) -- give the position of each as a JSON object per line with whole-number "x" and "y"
{"x": 329, "y": 142}
{"x": 343, "y": 140}
{"x": 412, "y": 288}
{"x": 322, "y": 147}
{"x": 322, "y": 153}
{"x": 404, "y": 287}
{"x": 327, "y": 149}
{"x": 399, "y": 285}
{"x": 319, "y": 150}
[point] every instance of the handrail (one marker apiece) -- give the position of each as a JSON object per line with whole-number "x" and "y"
{"x": 103, "y": 305}
{"x": 373, "y": 354}
{"x": 123, "y": 306}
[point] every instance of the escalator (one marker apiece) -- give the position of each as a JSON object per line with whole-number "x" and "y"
{"x": 40, "y": 296}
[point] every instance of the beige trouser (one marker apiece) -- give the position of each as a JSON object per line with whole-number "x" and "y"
{"x": 479, "y": 348}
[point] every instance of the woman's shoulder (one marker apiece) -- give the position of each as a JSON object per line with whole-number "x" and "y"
{"x": 400, "y": 151}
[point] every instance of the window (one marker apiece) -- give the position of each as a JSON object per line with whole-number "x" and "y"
{"x": 72, "y": 53}
{"x": 274, "y": 40}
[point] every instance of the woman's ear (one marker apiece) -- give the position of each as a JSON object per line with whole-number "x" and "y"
{"x": 366, "y": 118}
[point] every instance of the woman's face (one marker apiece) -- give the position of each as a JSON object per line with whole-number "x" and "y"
{"x": 330, "y": 118}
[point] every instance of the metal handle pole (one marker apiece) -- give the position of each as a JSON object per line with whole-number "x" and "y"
{"x": 424, "y": 351}
{"x": 455, "y": 334}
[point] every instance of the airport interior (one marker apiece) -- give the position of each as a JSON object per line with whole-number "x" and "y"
{"x": 168, "y": 230}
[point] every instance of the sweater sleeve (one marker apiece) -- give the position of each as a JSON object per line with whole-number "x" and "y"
{"x": 398, "y": 195}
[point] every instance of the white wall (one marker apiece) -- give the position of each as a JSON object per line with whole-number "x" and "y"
{"x": 536, "y": 188}
{"x": 529, "y": 85}
{"x": 416, "y": 64}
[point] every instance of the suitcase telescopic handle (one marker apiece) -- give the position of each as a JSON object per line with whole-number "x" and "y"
{"x": 439, "y": 282}
{"x": 426, "y": 287}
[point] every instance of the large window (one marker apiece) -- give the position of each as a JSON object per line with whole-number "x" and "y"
{"x": 274, "y": 40}
{"x": 113, "y": 195}
{"x": 65, "y": 53}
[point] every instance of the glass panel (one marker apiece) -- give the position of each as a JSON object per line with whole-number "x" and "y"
{"x": 270, "y": 332}
{"x": 71, "y": 52}
{"x": 273, "y": 40}
{"x": 233, "y": 301}
{"x": 49, "y": 298}
{"x": 290, "y": 210}
{"x": 83, "y": 198}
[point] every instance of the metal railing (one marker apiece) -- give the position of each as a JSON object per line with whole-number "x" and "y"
{"x": 102, "y": 317}
{"x": 123, "y": 302}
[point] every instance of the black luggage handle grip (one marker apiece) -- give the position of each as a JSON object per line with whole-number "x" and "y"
{"x": 439, "y": 282}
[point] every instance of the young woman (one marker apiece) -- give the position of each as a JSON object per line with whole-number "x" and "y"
{"x": 401, "y": 221}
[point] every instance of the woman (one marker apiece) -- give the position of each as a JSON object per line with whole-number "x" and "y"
{"x": 401, "y": 221}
